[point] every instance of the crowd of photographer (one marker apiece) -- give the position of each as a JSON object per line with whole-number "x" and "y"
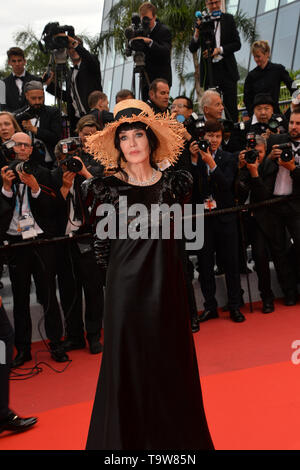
{"x": 43, "y": 164}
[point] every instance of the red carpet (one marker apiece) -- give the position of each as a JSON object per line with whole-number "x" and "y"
{"x": 250, "y": 387}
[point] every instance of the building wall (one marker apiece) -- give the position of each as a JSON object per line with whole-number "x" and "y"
{"x": 276, "y": 21}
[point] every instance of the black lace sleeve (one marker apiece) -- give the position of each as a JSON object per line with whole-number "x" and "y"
{"x": 180, "y": 184}
{"x": 97, "y": 191}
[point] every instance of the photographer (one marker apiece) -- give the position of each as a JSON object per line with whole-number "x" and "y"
{"x": 219, "y": 40}
{"x": 280, "y": 177}
{"x": 215, "y": 173}
{"x": 156, "y": 46}
{"x": 41, "y": 122}
{"x": 264, "y": 122}
{"x": 77, "y": 267}
{"x": 27, "y": 189}
{"x": 8, "y": 127}
{"x": 256, "y": 222}
{"x": 266, "y": 77}
{"x": 14, "y": 83}
{"x": 159, "y": 92}
{"x": 9, "y": 421}
{"x": 83, "y": 78}
{"x": 98, "y": 105}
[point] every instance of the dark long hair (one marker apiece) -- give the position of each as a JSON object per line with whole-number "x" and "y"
{"x": 152, "y": 139}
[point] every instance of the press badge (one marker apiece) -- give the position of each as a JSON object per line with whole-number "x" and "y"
{"x": 25, "y": 226}
{"x": 210, "y": 204}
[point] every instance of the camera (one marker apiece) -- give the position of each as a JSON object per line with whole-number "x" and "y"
{"x": 138, "y": 28}
{"x": 252, "y": 154}
{"x": 67, "y": 147}
{"x": 52, "y": 42}
{"x": 207, "y": 25}
{"x": 287, "y": 151}
{"x": 195, "y": 125}
{"x": 7, "y": 149}
{"x": 26, "y": 166}
{"x": 26, "y": 114}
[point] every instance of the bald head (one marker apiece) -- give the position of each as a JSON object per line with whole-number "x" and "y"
{"x": 23, "y": 145}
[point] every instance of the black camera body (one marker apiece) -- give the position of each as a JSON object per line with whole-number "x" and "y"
{"x": 26, "y": 114}
{"x": 7, "y": 150}
{"x": 52, "y": 42}
{"x": 207, "y": 26}
{"x": 287, "y": 151}
{"x": 68, "y": 147}
{"x": 252, "y": 154}
{"x": 138, "y": 28}
{"x": 25, "y": 166}
{"x": 195, "y": 125}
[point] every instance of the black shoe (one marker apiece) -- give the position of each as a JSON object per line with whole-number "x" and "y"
{"x": 58, "y": 353}
{"x": 95, "y": 347}
{"x": 268, "y": 306}
{"x": 71, "y": 344}
{"x": 195, "y": 324}
{"x": 237, "y": 316}
{"x": 15, "y": 423}
{"x": 291, "y": 299}
{"x": 21, "y": 357}
{"x": 208, "y": 315}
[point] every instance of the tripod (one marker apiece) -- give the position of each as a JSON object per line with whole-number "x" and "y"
{"x": 139, "y": 68}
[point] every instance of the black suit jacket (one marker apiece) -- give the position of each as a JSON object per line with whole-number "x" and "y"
{"x": 50, "y": 127}
{"x": 14, "y": 100}
{"x": 220, "y": 183}
{"x": 43, "y": 207}
{"x": 264, "y": 186}
{"x": 158, "y": 56}
{"x": 230, "y": 41}
{"x": 267, "y": 80}
{"x": 88, "y": 79}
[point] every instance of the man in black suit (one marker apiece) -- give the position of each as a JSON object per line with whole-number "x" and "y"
{"x": 83, "y": 78}
{"x": 214, "y": 176}
{"x": 14, "y": 83}
{"x": 225, "y": 42}
{"x": 77, "y": 267}
{"x": 157, "y": 49}
{"x": 32, "y": 215}
{"x": 280, "y": 176}
{"x": 9, "y": 421}
{"x": 42, "y": 122}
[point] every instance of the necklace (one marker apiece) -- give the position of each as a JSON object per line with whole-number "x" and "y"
{"x": 143, "y": 183}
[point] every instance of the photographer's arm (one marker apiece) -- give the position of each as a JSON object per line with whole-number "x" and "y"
{"x": 160, "y": 48}
{"x": 51, "y": 133}
{"x": 235, "y": 42}
{"x": 90, "y": 60}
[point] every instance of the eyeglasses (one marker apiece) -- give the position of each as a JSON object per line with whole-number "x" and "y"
{"x": 180, "y": 106}
{"x": 19, "y": 144}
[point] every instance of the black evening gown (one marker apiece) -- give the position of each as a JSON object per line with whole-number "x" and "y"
{"x": 148, "y": 395}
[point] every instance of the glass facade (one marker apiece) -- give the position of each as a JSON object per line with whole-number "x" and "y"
{"x": 276, "y": 21}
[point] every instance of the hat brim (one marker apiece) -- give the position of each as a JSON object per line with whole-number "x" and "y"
{"x": 168, "y": 131}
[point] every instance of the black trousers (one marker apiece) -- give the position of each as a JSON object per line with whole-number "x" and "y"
{"x": 224, "y": 236}
{"x": 284, "y": 220}
{"x": 6, "y": 352}
{"x": 22, "y": 263}
{"x": 77, "y": 273}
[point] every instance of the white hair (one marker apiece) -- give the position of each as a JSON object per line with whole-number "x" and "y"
{"x": 206, "y": 98}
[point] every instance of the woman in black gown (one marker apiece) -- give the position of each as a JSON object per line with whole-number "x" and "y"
{"x": 148, "y": 395}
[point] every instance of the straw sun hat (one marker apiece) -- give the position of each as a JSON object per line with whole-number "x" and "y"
{"x": 168, "y": 131}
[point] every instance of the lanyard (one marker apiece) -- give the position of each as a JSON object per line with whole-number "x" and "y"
{"x": 20, "y": 197}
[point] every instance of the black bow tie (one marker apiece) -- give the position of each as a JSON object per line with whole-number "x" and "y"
{"x": 76, "y": 67}
{"x": 19, "y": 78}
